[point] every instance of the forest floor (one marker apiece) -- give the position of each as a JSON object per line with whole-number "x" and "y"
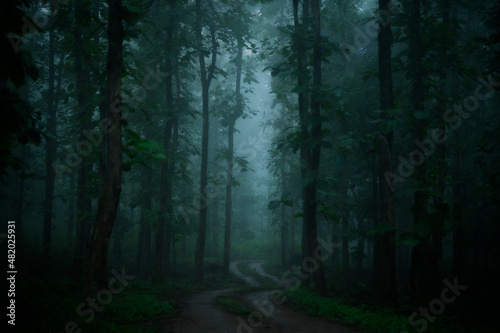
{"x": 200, "y": 312}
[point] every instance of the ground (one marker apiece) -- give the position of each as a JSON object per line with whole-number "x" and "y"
{"x": 200, "y": 313}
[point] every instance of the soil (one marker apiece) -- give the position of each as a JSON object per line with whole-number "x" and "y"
{"x": 200, "y": 312}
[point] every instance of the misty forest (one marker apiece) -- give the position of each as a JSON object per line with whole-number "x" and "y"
{"x": 250, "y": 165}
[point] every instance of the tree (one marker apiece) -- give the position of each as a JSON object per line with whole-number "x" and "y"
{"x": 310, "y": 128}
{"x": 82, "y": 75}
{"x": 108, "y": 201}
{"x": 163, "y": 234}
{"x": 385, "y": 247}
{"x": 206, "y": 76}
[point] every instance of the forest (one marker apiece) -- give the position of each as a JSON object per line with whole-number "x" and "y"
{"x": 250, "y": 165}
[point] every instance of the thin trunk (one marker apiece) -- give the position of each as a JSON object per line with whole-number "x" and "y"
{"x": 83, "y": 200}
{"x": 284, "y": 224}
{"x": 144, "y": 249}
{"x": 345, "y": 230}
{"x": 50, "y": 153}
{"x": 442, "y": 207}
{"x": 71, "y": 213}
{"x": 206, "y": 78}
{"x": 230, "y": 161}
{"x": 302, "y": 101}
{"x": 108, "y": 201}
{"x": 163, "y": 233}
{"x": 360, "y": 254}
{"x": 385, "y": 242}
{"x": 423, "y": 270}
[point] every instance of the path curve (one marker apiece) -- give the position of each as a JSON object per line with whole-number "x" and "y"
{"x": 200, "y": 313}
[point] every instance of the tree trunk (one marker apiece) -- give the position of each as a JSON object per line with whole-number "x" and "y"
{"x": 230, "y": 161}
{"x": 385, "y": 241}
{"x": 50, "y": 153}
{"x": 71, "y": 213}
{"x": 284, "y": 224}
{"x": 310, "y": 129}
{"x": 83, "y": 200}
{"x": 144, "y": 248}
{"x": 206, "y": 78}
{"x": 163, "y": 233}
{"x": 108, "y": 201}
{"x": 424, "y": 284}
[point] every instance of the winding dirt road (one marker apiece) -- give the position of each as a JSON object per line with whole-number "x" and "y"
{"x": 200, "y": 312}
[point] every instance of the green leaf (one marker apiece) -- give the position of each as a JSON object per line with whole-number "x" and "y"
{"x": 421, "y": 114}
{"x": 273, "y": 204}
{"x": 386, "y": 126}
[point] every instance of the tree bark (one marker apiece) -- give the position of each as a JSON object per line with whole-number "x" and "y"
{"x": 144, "y": 244}
{"x": 423, "y": 270}
{"x": 309, "y": 152}
{"x": 50, "y": 153}
{"x": 206, "y": 78}
{"x": 385, "y": 241}
{"x": 83, "y": 200}
{"x": 109, "y": 199}
{"x": 284, "y": 224}
{"x": 230, "y": 160}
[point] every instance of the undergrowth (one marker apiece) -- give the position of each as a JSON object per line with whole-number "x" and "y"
{"x": 232, "y": 303}
{"x": 374, "y": 319}
{"x": 140, "y": 307}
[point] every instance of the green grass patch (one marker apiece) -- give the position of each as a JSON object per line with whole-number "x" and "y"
{"x": 232, "y": 303}
{"x": 140, "y": 307}
{"x": 375, "y": 319}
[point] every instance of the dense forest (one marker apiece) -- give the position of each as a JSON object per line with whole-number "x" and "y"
{"x": 250, "y": 165}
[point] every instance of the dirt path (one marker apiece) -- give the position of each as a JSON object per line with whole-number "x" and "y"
{"x": 200, "y": 313}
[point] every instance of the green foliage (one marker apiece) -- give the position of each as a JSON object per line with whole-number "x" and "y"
{"x": 254, "y": 248}
{"x": 374, "y": 319}
{"x": 139, "y": 307}
{"x": 232, "y": 303}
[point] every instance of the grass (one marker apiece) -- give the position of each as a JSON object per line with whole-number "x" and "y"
{"x": 232, "y": 302}
{"x": 141, "y": 307}
{"x": 371, "y": 318}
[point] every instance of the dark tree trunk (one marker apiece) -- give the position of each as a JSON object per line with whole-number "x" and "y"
{"x": 50, "y": 153}
{"x": 310, "y": 129}
{"x": 424, "y": 282}
{"x": 144, "y": 248}
{"x": 284, "y": 224}
{"x": 206, "y": 78}
{"x": 230, "y": 161}
{"x": 385, "y": 242}
{"x": 163, "y": 232}
{"x": 83, "y": 198}
{"x": 108, "y": 201}
{"x": 71, "y": 214}
{"x": 346, "y": 267}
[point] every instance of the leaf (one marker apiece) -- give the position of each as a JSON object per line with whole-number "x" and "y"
{"x": 421, "y": 114}
{"x": 386, "y": 126}
{"x": 273, "y": 204}
{"x": 382, "y": 228}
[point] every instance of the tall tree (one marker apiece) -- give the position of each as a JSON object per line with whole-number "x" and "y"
{"x": 83, "y": 200}
{"x": 238, "y": 111}
{"x": 310, "y": 128}
{"x": 50, "y": 151}
{"x": 424, "y": 267}
{"x": 385, "y": 247}
{"x": 163, "y": 233}
{"x": 109, "y": 199}
{"x": 206, "y": 76}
